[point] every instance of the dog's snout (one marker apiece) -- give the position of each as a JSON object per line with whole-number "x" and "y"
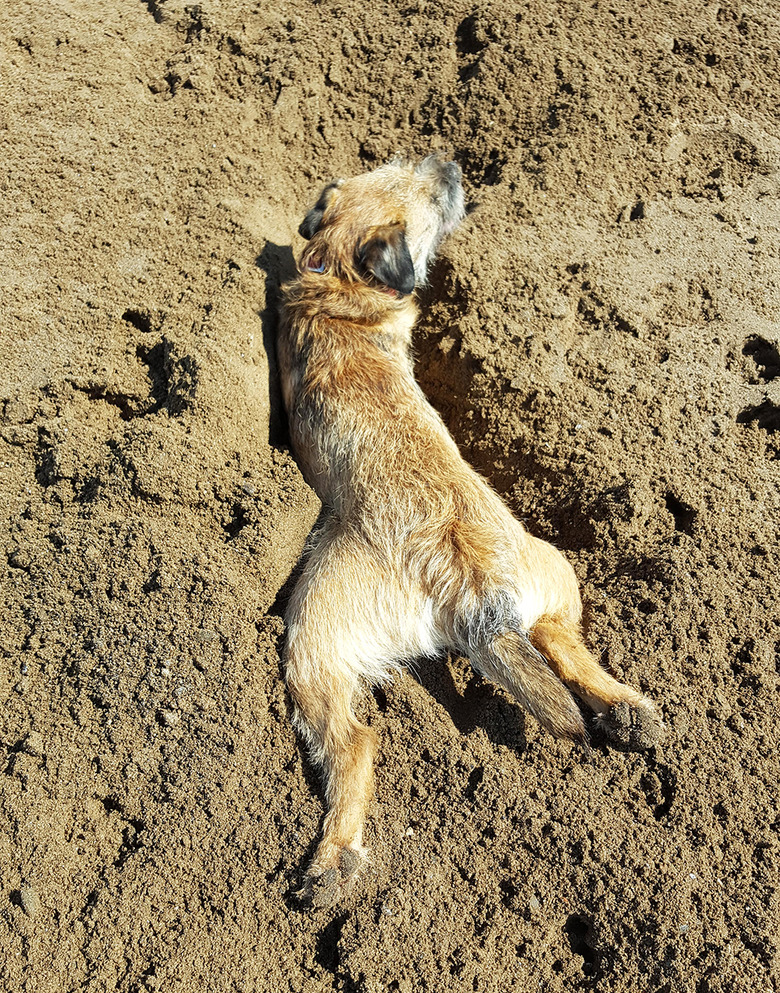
{"x": 453, "y": 202}
{"x": 451, "y": 178}
{"x": 445, "y": 178}
{"x": 448, "y": 173}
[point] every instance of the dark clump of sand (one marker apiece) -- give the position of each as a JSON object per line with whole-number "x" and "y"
{"x": 602, "y": 336}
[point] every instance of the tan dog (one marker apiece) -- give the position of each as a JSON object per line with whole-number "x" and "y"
{"x": 417, "y": 555}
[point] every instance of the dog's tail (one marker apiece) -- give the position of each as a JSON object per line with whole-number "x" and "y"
{"x": 508, "y": 658}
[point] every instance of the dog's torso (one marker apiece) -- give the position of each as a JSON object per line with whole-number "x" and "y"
{"x": 360, "y": 425}
{"x": 369, "y": 443}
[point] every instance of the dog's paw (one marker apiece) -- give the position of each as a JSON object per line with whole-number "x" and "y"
{"x": 326, "y": 887}
{"x": 633, "y": 726}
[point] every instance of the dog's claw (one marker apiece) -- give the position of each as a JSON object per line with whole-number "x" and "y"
{"x": 635, "y": 727}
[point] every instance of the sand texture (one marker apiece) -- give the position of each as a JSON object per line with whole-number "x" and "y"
{"x": 602, "y": 337}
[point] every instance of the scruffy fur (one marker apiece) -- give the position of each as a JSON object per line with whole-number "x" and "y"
{"x": 416, "y": 554}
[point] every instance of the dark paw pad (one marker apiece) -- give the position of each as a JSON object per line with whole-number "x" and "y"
{"x": 632, "y": 726}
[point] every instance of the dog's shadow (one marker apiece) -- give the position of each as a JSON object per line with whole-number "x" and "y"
{"x": 478, "y": 704}
{"x": 278, "y": 264}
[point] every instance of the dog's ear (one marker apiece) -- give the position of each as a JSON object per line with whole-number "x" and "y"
{"x": 387, "y": 257}
{"x": 310, "y": 225}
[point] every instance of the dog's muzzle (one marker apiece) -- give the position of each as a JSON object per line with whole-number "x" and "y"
{"x": 448, "y": 182}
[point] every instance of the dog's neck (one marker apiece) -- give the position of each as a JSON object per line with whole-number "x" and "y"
{"x": 319, "y": 305}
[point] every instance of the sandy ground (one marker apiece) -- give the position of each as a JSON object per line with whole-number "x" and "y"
{"x": 602, "y": 336}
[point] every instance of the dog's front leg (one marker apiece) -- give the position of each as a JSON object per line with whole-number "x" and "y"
{"x": 332, "y": 646}
{"x": 345, "y": 750}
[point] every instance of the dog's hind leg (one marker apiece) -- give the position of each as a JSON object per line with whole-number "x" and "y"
{"x": 345, "y": 628}
{"x": 627, "y": 718}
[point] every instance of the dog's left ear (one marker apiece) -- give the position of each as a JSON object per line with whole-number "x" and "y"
{"x": 311, "y": 223}
{"x": 387, "y": 257}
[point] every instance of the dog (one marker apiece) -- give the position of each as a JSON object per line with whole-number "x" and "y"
{"x": 415, "y": 555}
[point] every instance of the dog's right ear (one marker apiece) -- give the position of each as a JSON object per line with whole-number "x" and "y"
{"x": 387, "y": 258}
{"x": 310, "y": 225}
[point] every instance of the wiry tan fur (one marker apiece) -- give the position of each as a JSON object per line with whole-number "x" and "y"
{"x": 416, "y": 555}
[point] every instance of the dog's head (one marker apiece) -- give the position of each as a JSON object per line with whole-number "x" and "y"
{"x": 384, "y": 227}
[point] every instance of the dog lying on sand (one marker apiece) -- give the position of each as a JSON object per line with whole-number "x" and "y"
{"x": 416, "y": 555}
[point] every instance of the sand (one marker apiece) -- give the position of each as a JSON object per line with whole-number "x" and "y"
{"x": 602, "y": 336}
